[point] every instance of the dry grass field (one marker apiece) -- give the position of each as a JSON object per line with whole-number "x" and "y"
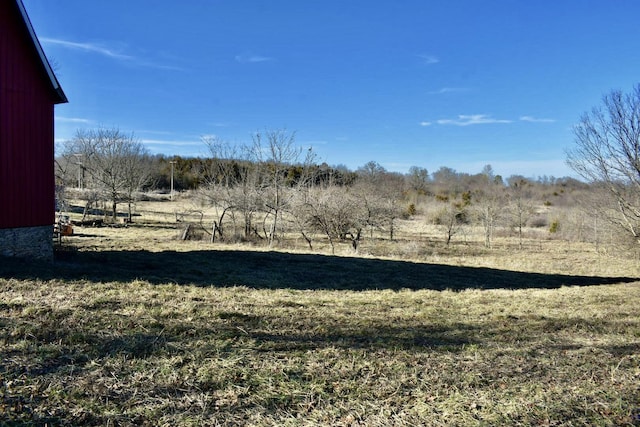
{"x": 132, "y": 326}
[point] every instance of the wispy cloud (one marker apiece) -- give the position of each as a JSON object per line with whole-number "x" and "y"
{"x": 249, "y": 58}
{"x": 86, "y": 47}
{"x": 221, "y": 124}
{"x": 108, "y": 52}
{"x": 428, "y": 59}
{"x": 72, "y": 120}
{"x": 482, "y": 119}
{"x": 473, "y": 119}
{"x": 535, "y": 120}
{"x": 448, "y": 90}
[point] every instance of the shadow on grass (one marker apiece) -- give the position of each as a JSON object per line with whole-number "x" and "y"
{"x": 410, "y": 338}
{"x": 275, "y": 270}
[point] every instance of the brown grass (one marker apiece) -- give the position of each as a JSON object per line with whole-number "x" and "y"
{"x": 132, "y": 327}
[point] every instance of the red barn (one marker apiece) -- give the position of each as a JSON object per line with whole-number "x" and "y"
{"x": 28, "y": 92}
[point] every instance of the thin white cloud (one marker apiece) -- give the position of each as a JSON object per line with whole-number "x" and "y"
{"x": 247, "y": 59}
{"x": 472, "y": 119}
{"x": 535, "y": 120}
{"x": 448, "y": 90}
{"x": 483, "y": 119}
{"x": 72, "y": 120}
{"x": 428, "y": 59}
{"x": 108, "y": 52}
{"x": 87, "y": 47}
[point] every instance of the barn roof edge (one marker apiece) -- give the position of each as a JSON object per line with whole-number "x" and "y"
{"x": 61, "y": 98}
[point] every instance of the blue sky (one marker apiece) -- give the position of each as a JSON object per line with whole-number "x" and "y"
{"x": 404, "y": 83}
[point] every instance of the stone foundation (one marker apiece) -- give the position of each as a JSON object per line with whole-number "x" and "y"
{"x": 27, "y": 242}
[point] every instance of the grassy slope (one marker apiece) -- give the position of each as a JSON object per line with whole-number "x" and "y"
{"x": 122, "y": 335}
{"x": 92, "y": 353}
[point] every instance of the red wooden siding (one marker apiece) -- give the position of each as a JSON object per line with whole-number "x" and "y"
{"x": 27, "y": 100}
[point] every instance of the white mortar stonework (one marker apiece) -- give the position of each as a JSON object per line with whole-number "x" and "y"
{"x": 27, "y": 242}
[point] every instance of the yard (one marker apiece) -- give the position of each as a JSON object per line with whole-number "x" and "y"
{"x": 133, "y": 326}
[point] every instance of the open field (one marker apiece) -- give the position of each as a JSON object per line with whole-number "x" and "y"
{"x": 134, "y": 327}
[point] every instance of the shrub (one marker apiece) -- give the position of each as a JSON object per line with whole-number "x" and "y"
{"x": 538, "y": 221}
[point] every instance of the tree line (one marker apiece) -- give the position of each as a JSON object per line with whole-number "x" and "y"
{"x": 260, "y": 189}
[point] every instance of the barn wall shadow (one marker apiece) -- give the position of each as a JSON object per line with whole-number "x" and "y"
{"x": 273, "y": 270}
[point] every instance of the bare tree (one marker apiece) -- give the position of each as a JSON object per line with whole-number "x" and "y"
{"x": 381, "y": 194}
{"x": 302, "y": 214}
{"x": 446, "y": 181}
{"x": 114, "y": 161}
{"x": 64, "y": 174}
{"x": 393, "y": 201}
{"x": 453, "y": 215}
{"x": 137, "y": 172}
{"x": 219, "y": 182}
{"x": 520, "y": 206}
{"x": 275, "y": 152}
{"x": 371, "y": 171}
{"x": 231, "y": 186}
{"x": 489, "y": 202}
{"x": 418, "y": 179}
{"x": 338, "y": 214}
{"x": 607, "y": 153}
{"x": 367, "y": 187}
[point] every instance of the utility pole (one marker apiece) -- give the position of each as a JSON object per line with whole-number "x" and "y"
{"x": 173, "y": 162}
